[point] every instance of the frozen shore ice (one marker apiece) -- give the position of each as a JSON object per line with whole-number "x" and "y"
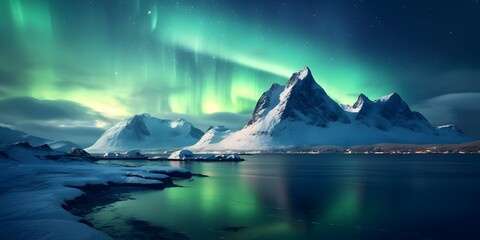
{"x": 33, "y": 189}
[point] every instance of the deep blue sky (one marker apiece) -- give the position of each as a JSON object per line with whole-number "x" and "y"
{"x": 70, "y": 69}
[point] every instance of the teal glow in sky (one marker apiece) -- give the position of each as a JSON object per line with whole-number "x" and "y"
{"x": 191, "y": 58}
{"x": 135, "y": 56}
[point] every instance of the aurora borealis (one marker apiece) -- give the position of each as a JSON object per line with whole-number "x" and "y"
{"x": 211, "y": 60}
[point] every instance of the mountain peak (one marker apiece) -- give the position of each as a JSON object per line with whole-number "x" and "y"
{"x": 304, "y": 72}
{"x": 301, "y": 100}
{"x": 143, "y": 115}
{"x": 137, "y": 118}
{"x": 392, "y": 97}
{"x": 303, "y": 77}
{"x": 135, "y": 126}
{"x": 180, "y": 120}
{"x": 362, "y": 96}
{"x": 391, "y": 111}
{"x": 146, "y": 132}
{"x": 361, "y": 100}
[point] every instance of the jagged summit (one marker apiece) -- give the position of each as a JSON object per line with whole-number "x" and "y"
{"x": 392, "y": 111}
{"x": 302, "y": 99}
{"x": 305, "y": 72}
{"x": 362, "y": 102}
{"x": 303, "y": 80}
{"x": 304, "y": 76}
{"x": 135, "y": 127}
{"x": 392, "y": 97}
{"x": 138, "y": 117}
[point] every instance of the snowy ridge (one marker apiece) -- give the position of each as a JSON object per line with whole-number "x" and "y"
{"x": 391, "y": 111}
{"x": 9, "y": 136}
{"x": 147, "y": 132}
{"x": 302, "y": 114}
{"x": 451, "y": 131}
{"x": 62, "y": 146}
{"x": 211, "y": 136}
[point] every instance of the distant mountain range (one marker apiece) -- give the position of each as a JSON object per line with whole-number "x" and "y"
{"x": 295, "y": 115}
{"x": 9, "y": 136}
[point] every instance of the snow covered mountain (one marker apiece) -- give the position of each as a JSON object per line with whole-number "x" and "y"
{"x": 302, "y": 114}
{"x": 452, "y": 132}
{"x": 390, "y": 111}
{"x": 147, "y": 132}
{"x": 212, "y": 135}
{"x": 9, "y": 136}
{"x": 302, "y": 99}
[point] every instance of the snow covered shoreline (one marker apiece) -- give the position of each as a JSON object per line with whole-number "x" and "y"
{"x": 34, "y": 190}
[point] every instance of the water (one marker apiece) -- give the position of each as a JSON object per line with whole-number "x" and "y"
{"x": 307, "y": 197}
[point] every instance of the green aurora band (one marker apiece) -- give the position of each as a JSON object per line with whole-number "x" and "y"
{"x": 160, "y": 57}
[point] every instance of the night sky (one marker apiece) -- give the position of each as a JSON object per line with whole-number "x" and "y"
{"x": 71, "y": 69}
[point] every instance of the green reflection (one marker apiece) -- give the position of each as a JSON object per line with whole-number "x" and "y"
{"x": 345, "y": 207}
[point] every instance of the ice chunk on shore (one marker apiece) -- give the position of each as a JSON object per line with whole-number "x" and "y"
{"x": 181, "y": 154}
{"x": 128, "y": 154}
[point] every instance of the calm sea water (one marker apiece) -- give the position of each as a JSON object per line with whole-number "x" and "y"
{"x": 306, "y": 197}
